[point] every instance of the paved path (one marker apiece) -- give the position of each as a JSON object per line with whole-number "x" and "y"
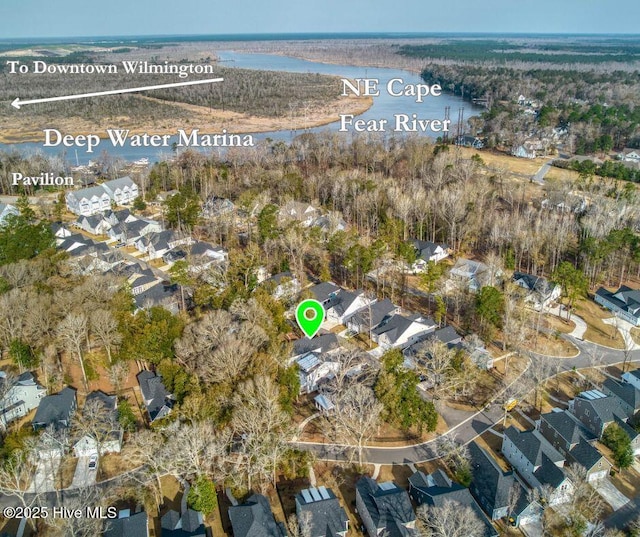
{"x": 538, "y": 177}
{"x": 611, "y": 494}
{"x": 624, "y": 327}
{"x": 581, "y": 326}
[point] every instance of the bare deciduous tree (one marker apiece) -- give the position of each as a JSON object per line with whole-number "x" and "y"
{"x": 449, "y": 520}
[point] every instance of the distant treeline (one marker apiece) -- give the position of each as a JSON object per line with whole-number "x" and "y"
{"x": 609, "y": 168}
{"x": 504, "y": 51}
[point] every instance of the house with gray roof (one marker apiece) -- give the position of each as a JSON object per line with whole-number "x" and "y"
{"x": 400, "y": 331}
{"x": 632, "y": 377}
{"x": 320, "y": 514}
{"x": 538, "y": 462}
{"x": 624, "y": 303}
{"x": 490, "y": 486}
{"x": 366, "y": 319}
{"x": 345, "y": 304}
{"x": 573, "y": 440}
{"x": 96, "y": 224}
{"x": 7, "y": 210}
{"x": 188, "y": 524}
{"x": 325, "y": 292}
{"x": 157, "y": 399}
{"x": 110, "y": 432}
{"x": 254, "y": 518}
{"x": 88, "y": 201}
{"x": 320, "y": 344}
{"x": 127, "y": 525}
{"x": 427, "y": 251}
{"x": 596, "y": 411}
{"x": 161, "y": 294}
{"x": 385, "y": 508}
{"x": 626, "y": 393}
{"x": 474, "y": 274}
{"x": 540, "y": 292}
{"x": 437, "y": 489}
{"x": 21, "y": 396}
{"x": 123, "y": 190}
{"x": 56, "y": 410}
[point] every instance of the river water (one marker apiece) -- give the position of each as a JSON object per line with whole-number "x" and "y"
{"x": 385, "y": 106}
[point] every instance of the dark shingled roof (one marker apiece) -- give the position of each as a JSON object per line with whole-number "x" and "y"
{"x": 568, "y": 427}
{"x": 549, "y": 473}
{"x": 426, "y": 249}
{"x": 533, "y": 446}
{"x": 192, "y": 525}
{"x": 490, "y": 485}
{"x": 323, "y": 291}
{"x": 624, "y": 391}
{"x": 254, "y": 518}
{"x": 585, "y": 455}
{"x": 606, "y": 408}
{"x": 379, "y": 310}
{"x": 321, "y": 344}
{"x": 55, "y": 409}
{"x": 153, "y": 390}
{"x": 389, "y": 508}
{"x": 326, "y": 517}
{"x": 625, "y": 298}
{"x": 131, "y": 526}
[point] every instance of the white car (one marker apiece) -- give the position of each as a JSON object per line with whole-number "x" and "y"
{"x": 93, "y": 462}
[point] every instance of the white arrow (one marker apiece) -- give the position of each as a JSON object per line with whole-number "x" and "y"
{"x": 17, "y": 103}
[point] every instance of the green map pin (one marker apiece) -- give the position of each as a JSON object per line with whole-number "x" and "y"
{"x": 309, "y": 315}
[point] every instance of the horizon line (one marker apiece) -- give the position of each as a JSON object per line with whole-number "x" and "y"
{"x": 354, "y": 34}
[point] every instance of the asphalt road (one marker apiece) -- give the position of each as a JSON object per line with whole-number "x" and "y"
{"x": 474, "y": 425}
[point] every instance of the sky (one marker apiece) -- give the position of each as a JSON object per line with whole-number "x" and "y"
{"x": 70, "y": 18}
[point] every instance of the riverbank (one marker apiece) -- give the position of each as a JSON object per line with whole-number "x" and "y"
{"x": 15, "y": 130}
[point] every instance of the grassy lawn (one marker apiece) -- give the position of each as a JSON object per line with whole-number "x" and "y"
{"x": 66, "y": 471}
{"x": 555, "y": 323}
{"x": 635, "y": 334}
{"x": 550, "y": 345}
{"x": 597, "y": 331}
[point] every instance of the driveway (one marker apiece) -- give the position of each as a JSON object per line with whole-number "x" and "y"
{"x": 611, "y": 494}
{"x": 532, "y": 529}
{"x": 83, "y": 476}
{"x": 624, "y": 327}
{"x": 44, "y": 478}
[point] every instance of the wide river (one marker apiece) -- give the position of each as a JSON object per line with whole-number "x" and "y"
{"x": 385, "y": 106}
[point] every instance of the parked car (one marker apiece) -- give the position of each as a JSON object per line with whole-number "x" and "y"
{"x": 93, "y": 462}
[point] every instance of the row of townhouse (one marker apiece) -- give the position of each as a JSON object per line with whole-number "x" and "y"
{"x": 99, "y": 198}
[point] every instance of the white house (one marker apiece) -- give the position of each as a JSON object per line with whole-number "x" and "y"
{"x": 345, "y": 304}
{"x": 400, "y": 331}
{"x": 23, "y": 396}
{"x": 303, "y": 213}
{"x": 95, "y": 224}
{"x": 6, "y": 210}
{"x": 538, "y": 462}
{"x": 285, "y": 285}
{"x": 314, "y": 368}
{"x": 428, "y": 251}
{"x": 630, "y": 155}
{"x": 541, "y": 293}
{"x": 96, "y": 199}
{"x": 110, "y": 439}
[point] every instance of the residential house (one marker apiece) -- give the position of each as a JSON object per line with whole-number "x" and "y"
{"x": 202, "y": 256}
{"x": 88, "y": 201}
{"x": 189, "y": 523}
{"x": 540, "y": 292}
{"x": 522, "y": 151}
{"x": 95, "y": 224}
{"x": 129, "y": 231}
{"x": 330, "y": 223}
{"x": 385, "y": 508}
{"x": 254, "y": 518}
{"x": 215, "y": 207}
{"x": 7, "y": 210}
{"x": 141, "y": 280}
{"x": 469, "y": 141}
{"x": 160, "y": 294}
{"x": 321, "y": 344}
{"x": 127, "y": 525}
{"x": 630, "y": 155}
{"x": 627, "y": 394}
{"x": 625, "y": 303}
{"x": 436, "y": 489}
{"x": 314, "y": 369}
{"x": 632, "y": 377}
{"x": 60, "y": 231}
{"x": 474, "y": 274}
{"x": 345, "y": 304}
{"x": 566, "y": 434}
{"x": 320, "y": 514}
{"x": 325, "y": 292}
{"x": 366, "y": 319}
{"x": 110, "y": 432}
{"x": 123, "y": 190}
{"x": 296, "y": 211}
{"x": 285, "y": 285}
{"x": 490, "y": 485}
{"x": 538, "y": 462}
{"x": 427, "y": 251}
{"x": 596, "y": 411}
{"x": 323, "y": 403}
{"x": 157, "y": 400}
{"x": 56, "y": 410}
{"x": 20, "y": 398}
{"x": 400, "y": 331}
